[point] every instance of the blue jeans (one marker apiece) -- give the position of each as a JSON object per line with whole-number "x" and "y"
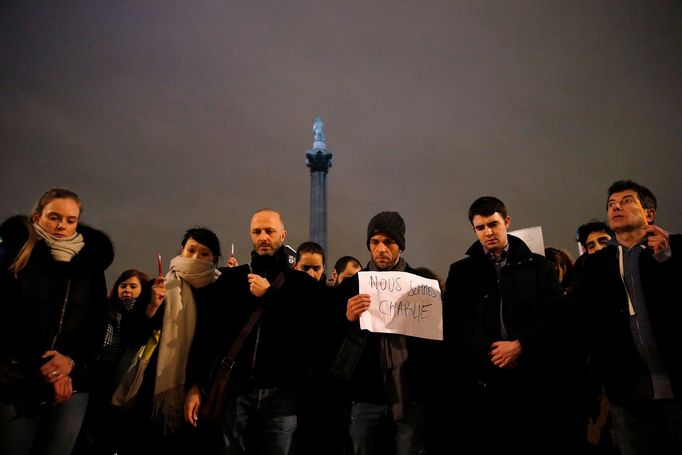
{"x": 373, "y": 429}
{"x": 53, "y": 430}
{"x": 259, "y": 421}
{"x": 648, "y": 427}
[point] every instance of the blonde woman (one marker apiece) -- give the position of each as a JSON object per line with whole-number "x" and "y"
{"x": 52, "y": 301}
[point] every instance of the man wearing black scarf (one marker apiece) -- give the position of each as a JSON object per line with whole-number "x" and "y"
{"x": 388, "y": 373}
{"x": 260, "y": 407}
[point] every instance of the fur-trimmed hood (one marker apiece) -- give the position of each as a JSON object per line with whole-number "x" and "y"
{"x": 97, "y": 252}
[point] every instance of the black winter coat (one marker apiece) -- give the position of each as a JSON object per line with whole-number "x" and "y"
{"x": 471, "y": 307}
{"x": 31, "y": 305}
{"x": 367, "y": 379}
{"x": 280, "y": 350}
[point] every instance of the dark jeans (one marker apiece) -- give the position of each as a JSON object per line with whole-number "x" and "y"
{"x": 259, "y": 421}
{"x": 374, "y": 431}
{"x": 50, "y": 430}
{"x": 648, "y": 427}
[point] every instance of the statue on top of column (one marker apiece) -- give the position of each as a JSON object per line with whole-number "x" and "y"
{"x": 318, "y": 129}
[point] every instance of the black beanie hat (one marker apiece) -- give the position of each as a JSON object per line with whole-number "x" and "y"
{"x": 390, "y": 224}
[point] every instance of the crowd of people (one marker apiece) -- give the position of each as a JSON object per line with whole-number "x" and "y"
{"x": 539, "y": 354}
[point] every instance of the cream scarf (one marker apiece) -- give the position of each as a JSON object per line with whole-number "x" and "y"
{"x": 179, "y": 320}
{"x": 62, "y": 249}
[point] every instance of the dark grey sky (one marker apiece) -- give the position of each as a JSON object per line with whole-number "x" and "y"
{"x": 165, "y": 115}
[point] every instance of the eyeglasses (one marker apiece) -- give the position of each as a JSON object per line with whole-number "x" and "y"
{"x": 316, "y": 268}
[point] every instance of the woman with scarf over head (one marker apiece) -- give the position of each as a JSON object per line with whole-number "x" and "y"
{"x": 157, "y": 424}
{"x": 52, "y": 304}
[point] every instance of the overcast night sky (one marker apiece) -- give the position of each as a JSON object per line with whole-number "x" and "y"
{"x": 166, "y": 115}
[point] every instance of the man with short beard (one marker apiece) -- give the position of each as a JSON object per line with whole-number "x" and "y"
{"x": 260, "y": 407}
{"x": 390, "y": 374}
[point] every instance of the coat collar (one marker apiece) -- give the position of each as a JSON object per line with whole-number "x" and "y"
{"x": 518, "y": 251}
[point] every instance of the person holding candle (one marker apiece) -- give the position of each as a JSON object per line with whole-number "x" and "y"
{"x": 156, "y": 423}
{"x": 260, "y": 406}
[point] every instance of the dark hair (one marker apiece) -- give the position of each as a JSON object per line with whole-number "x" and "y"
{"x": 588, "y": 228}
{"x": 144, "y": 280}
{"x": 309, "y": 247}
{"x": 206, "y": 237}
{"x": 560, "y": 260}
{"x": 343, "y": 261}
{"x": 487, "y": 206}
{"x": 644, "y": 194}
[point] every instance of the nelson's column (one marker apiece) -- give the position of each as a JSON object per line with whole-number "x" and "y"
{"x": 319, "y": 160}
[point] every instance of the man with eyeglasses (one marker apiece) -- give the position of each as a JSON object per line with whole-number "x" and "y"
{"x": 630, "y": 291}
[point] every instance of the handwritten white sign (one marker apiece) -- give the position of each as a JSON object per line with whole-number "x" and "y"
{"x": 532, "y": 237}
{"x": 402, "y": 303}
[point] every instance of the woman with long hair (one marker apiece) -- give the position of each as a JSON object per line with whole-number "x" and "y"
{"x": 52, "y": 303}
{"x": 129, "y": 293}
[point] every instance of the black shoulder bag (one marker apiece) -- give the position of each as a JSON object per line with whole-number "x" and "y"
{"x": 215, "y": 400}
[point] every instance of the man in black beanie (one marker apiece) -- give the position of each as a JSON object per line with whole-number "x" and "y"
{"x": 389, "y": 223}
{"x": 381, "y": 374}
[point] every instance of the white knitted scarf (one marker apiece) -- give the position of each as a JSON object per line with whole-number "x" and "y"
{"x": 179, "y": 320}
{"x": 62, "y": 249}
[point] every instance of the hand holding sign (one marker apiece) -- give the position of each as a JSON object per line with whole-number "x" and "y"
{"x": 399, "y": 302}
{"x": 356, "y": 306}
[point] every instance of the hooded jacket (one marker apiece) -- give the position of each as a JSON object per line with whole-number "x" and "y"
{"x": 601, "y": 294}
